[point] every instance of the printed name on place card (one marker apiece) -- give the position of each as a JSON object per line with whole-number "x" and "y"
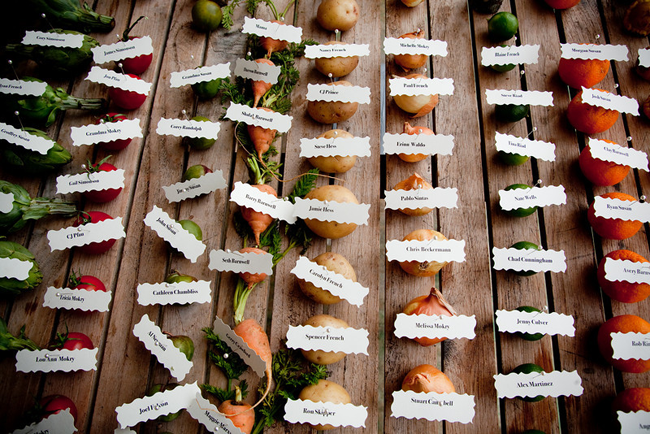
{"x": 509, "y": 54}
{"x": 22, "y": 87}
{"x": 514, "y": 321}
{"x": 644, "y": 57}
{"x": 241, "y": 262}
{"x": 162, "y": 347}
{"x": 171, "y": 231}
{"x": 349, "y": 290}
{"x": 47, "y": 39}
{"x": 246, "y": 195}
{"x": 90, "y": 181}
{"x": 529, "y": 260}
{"x": 82, "y": 299}
{"x": 115, "y": 79}
{"x": 426, "y": 251}
{"x": 435, "y": 326}
{"x": 170, "y": 293}
{"x": 207, "y": 414}
{"x": 259, "y": 71}
{"x": 237, "y": 344}
{"x": 330, "y": 211}
{"x": 324, "y": 92}
{"x": 623, "y": 270}
{"x": 610, "y": 208}
{"x": 347, "y": 340}
{"x": 524, "y": 146}
{"x": 280, "y": 31}
{"x": 105, "y": 132}
{"x": 427, "y": 144}
{"x": 428, "y": 47}
{"x": 610, "y": 101}
{"x": 450, "y": 407}
{"x": 594, "y": 51}
{"x": 199, "y": 75}
{"x": 66, "y": 238}
{"x": 258, "y": 117}
{"x": 421, "y": 86}
{"x": 532, "y": 97}
{"x": 437, "y": 197}
{"x": 555, "y": 383}
{"x": 534, "y": 196}
{"x": 84, "y": 359}
{"x": 325, "y": 413}
{"x": 326, "y": 51}
{"x": 122, "y": 50}
{"x": 188, "y": 128}
{"x": 618, "y": 154}
{"x": 195, "y": 187}
{"x": 631, "y": 345}
{"x": 13, "y": 268}
{"x": 24, "y": 139}
{"x": 634, "y": 422}
{"x": 159, "y": 404}
{"x": 60, "y": 422}
{"x": 335, "y": 146}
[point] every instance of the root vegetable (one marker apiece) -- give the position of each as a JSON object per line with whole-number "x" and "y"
{"x": 335, "y": 163}
{"x": 239, "y": 414}
{"x": 258, "y": 221}
{"x": 321, "y": 357}
{"x": 423, "y": 269}
{"x": 335, "y": 263}
{"x": 411, "y": 61}
{"x": 418, "y": 105}
{"x": 426, "y": 378}
{"x": 432, "y": 304}
{"x": 338, "y": 14}
{"x": 331, "y": 229}
{"x": 337, "y": 66}
{"x": 252, "y": 278}
{"x": 273, "y": 45}
{"x": 330, "y": 112}
{"x": 325, "y": 391}
{"x": 408, "y": 129}
{"x": 260, "y": 87}
{"x": 254, "y": 335}
{"x": 261, "y": 137}
{"x": 414, "y": 182}
{"x": 412, "y": 3}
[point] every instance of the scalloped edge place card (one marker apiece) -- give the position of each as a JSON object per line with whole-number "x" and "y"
{"x": 89, "y": 181}
{"x": 330, "y": 211}
{"x": 618, "y": 154}
{"x": 554, "y": 383}
{"x": 553, "y": 323}
{"x": 529, "y": 260}
{"x": 118, "y": 80}
{"x": 174, "y": 293}
{"x": 210, "y": 417}
{"x": 421, "y": 86}
{"x": 594, "y": 51}
{"x": 6, "y": 202}
{"x": 84, "y": 359}
{"x": 644, "y": 57}
{"x": 634, "y": 422}
{"x": 124, "y": 431}
{"x": 623, "y": 270}
{"x": 531, "y": 97}
{"x": 24, "y": 139}
{"x": 60, "y": 422}
{"x": 428, "y": 144}
{"x": 192, "y": 188}
{"x": 250, "y": 197}
{"x": 426, "y": 251}
{"x": 75, "y": 236}
{"x": 517, "y": 54}
{"x": 171, "y": 231}
{"x": 631, "y": 345}
{"x": 282, "y": 32}
{"x": 13, "y": 268}
{"x": 343, "y": 146}
{"x": 22, "y": 87}
{"x": 611, "y": 208}
{"x": 49, "y": 39}
{"x": 258, "y": 117}
{"x": 328, "y": 51}
{"x": 450, "y": 407}
{"x": 347, "y": 340}
{"x": 334, "y": 283}
{"x": 188, "y": 128}
{"x": 533, "y": 196}
{"x": 238, "y": 262}
{"x": 429, "y": 47}
{"x": 105, "y": 132}
{"x": 437, "y": 197}
{"x": 524, "y": 146}
{"x": 257, "y": 71}
{"x": 329, "y": 93}
{"x": 82, "y": 299}
{"x": 159, "y": 404}
{"x": 199, "y": 75}
{"x": 610, "y": 101}
{"x": 435, "y": 326}
{"x": 121, "y": 50}
{"x": 237, "y": 344}
{"x": 315, "y": 413}
{"x": 162, "y": 347}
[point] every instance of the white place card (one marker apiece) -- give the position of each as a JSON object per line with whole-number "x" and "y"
{"x": 118, "y": 80}
{"x": 325, "y": 92}
{"x": 124, "y": 431}
{"x": 162, "y": 347}
{"x": 84, "y": 359}
{"x": 611, "y": 208}
{"x": 343, "y": 146}
{"x": 258, "y": 117}
{"x": 531, "y": 97}
{"x": 191, "y": 188}
{"x": 250, "y": 197}
{"x": 24, "y": 139}
{"x": 349, "y": 290}
{"x": 81, "y": 299}
{"x": 90, "y": 181}
{"x": 437, "y": 197}
{"x": 421, "y": 86}
{"x": 610, "y": 101}
{"x": 529, "y": 260}
{"x": 644, "y": 57}
{"x": 50, "y": 39}
{"x": 634, "y": 422}
{"x": 237, "y": 344}
{"x": 159, "y": 404}
{"x": 510, "y": 54}
{"x": 282, "y": 32}
{"x": 238, "y": 262}
{"x": 199, "y": 75}
{"x": 533, "y": 196}
{"x": 618, "y": 154}
{"x": 435, "y": 326}
{"x": 336, "y": 50}
{"x": 13, "y": 268}
{"x": 66, "y": 238}
{"x": 325, "y": 413}
{"x": 631, "y": 345}
{"x": 60, "y": 422}
{"x": 450, "y": 407}
{"x": 121, "y": 50}
{"x": 429, "y": 47}
{"x": 346, "y": 340}
{"x": 258, "y": 71}
{"x": 171, "y": 231}
{"x": 623, "y": 270}
{"x": 524, "y": 146}
{"x": 330, "y": 211}
{"x": 105, "y": 132}
{"x": 170, "y": 293}
{"x": 210, "y": 417}
{"x": 555, "y": 383}
{"x": 594, "y": 51}
{"x": 22, "y": 87}
{"x": 188, "y": 128}
{"x": 427, "y": 144}
{"x": 6, "y": 203}
{"x": 426, "y": 251}
{"x": 514, "y": 321}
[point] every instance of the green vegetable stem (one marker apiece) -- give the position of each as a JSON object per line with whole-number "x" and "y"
{"x": 70, "y": 14}
{"x": 11, "y": 250}
{"x": 9, "y": 342}
{"x": 27, "y": 162}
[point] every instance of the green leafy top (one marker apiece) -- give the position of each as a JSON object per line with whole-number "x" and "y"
{"x": 230, "y": 364}
{"x": 251, "y": 8}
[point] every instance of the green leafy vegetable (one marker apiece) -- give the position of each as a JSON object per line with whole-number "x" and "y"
{"x": 71, "y": 15}
{"x": 9, "y": 342}
{"x": 230, "y": 364}
{"x": 11, "y": 250}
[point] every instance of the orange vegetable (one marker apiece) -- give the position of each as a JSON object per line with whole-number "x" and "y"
{"x": 272, "y": 45}
{"x": 254, "y": 335}
{"x": 258, "y": 221}
{"x": 252, "y": 278}
{"x": 427, "y": 378}
{"x": 261, "y": 87}
{"x": 239, "y": 415}
{"x": 432, "y": 304}
{"x": 261, "y": 137}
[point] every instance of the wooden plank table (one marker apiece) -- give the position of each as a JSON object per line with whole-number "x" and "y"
{"x": 126, "y": 370}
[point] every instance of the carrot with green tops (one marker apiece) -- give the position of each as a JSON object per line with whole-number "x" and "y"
{"x": 254, "y": 335}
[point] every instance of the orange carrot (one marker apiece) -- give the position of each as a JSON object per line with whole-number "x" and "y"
{"x": 272, "y": 45}
{"x": 252, "y": 278}
{"x": 256, "y": 220}
{"x": 261, "y": 137}
{"x": 254, "y": 335}
{"x": 238, "y": 413}
{"x": 260, "y": 87}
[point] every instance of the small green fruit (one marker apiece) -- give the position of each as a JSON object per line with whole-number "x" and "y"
{"x": 511, "y": 112}
{"x": 528, "y": 368}
{"x": 521, "y": 245}
{"x": 200, "y": 143}
{"x": 520, "y": 212}
{"x": 206, "y": 15}
{"x": 196, "y": 171}
{"x": 529, "y": 336}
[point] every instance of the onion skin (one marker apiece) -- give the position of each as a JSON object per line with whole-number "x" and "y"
{"x": 256, "y": 220}
{"x": 412, "y": 3}
{"x": 408, "y": 129}
{"x": 260, "y": 87}
{"x": 273, "y": 45}
{"x": 252, "y": 278}
{"x": 411, "y": 61}
{"x": 426, "y": 378}
{"x": 417, "y": 105}
{"x": 432, "y": 304}
{"x": 423, "y": 269}
{"x": 414, "y": 182}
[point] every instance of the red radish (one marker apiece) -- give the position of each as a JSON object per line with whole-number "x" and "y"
{"x": 126, "y": 99}
{"x": 252, "y": 279}
{"x": 139, "y": 64}
{"x": 261, "y": 137}
{"x": 254, "y": 335}
{"x": 72, "y": 341}
{"x": 256, "y": 220}
{"x": 93, "y": 217}
{"x": 115, "y": 145}
{"x": 89, "y": 283}
{"x": 272, "y": 45}
{"x": 101, "y": 196}
{"x": 260, "y": 87}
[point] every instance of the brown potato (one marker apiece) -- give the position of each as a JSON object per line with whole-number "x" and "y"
{"x": 331, "y": 229}
{"x": 423, "y": 269}
{"x": 335, "y": 163}
{"x": 337, "y": 66}
{"x": 338, "y": 14}
{"x": 325, "y": 391}
{"x": 330, "y": 112}
{"x": 335, "y": 263}
{"x": 321, "y": 357}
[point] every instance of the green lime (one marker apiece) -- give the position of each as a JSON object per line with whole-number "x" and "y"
{"x": 511, "y": 112}
{"x": 503, "y": 68}
{"x": 529, "y": 336}
{"x": 206, "y": 15}
{"x": 200, "y": 143}
{"x": 513, "y": 159}
{"x": 156, "y": 388}
{"x": 520, "y": 212}
{"x": 528, "y": 368}
{"x": 206, "y": 89}
{"x": 502, "y": 26}
{"x": 521, "y": 245}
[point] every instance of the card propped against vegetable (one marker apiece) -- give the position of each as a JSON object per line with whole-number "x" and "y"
{"x": 53, "y": 39}
{"x": 209, "y": 416}
{"x": 553, "y": 323}
{"x": 66, "y": 238}
{"x": 171, "y": 231}
{"x": 450, "y": 407}
{"x": 529, "y": 260}
{"x": 325, "y": 413}
{"x": 623, "y": 270}
{"x": 344, "y": 340}
{"x": 510, "y": 54}
{"x": 631, "y": 345}
{"x": 90, "y": 181}
{"x": 594, "y": 51}
{"x": 118, "y": 80}
{"x": 81, "y": 299}
{"x": 24, "y": 139}
{"x": 428, "y": 47}
{"x": 524, "y": 146}
{"x": 241, "y": 262}
{"x": 327, "y": 51}
{"x": 634, "y": 422}
{"x": 84, "y": 359}
{"x": 280, "y": 31}
{"x": 340, "y": 212}
{"x": 437, "y": 197}
{"x": 421, "y": 86}
{"x": 531, "y": 97}
{"x": 428, "y": 250}
{"x": 343, "y": 146}
{"x": 611, "y": 208}
{"x": 607, "y": 151}
{"x": 191, "y": 188}
{"x": 188, "y": 128}
{"x": 237, "y": 344}
{"x": 121, "y": 50}
{"x": 13, "y": 268}
{"x": 246, "y": 195}
{"x": 532, "y": 197}
{"x": 258, "y": 117}
{"x": 325, "y": 92}
{"x": 555, "y": 383}
{"x": 610, "y": 101}
{"x": 60, "y": 422}
{"x": 105, "y": 132}
{"x": 22, "y": 87}
{"x": 250, "y": 69}
{"x": 174, "y": 293}
{"x": 427, "y": 144}
{"x": 199, "y": 75}
{"x": 435, "y": 326}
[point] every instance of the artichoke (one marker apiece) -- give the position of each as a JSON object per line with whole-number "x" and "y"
{"x": 71, "y": 15}
{"x": 26, "y": 161}
{"x": 25, "y": 208}
{"x": 58, "y": 60}
{"x": 42, "y": 110}
{"x": 9, "y": 249}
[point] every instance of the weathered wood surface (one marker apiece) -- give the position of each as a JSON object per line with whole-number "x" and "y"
{"x": 126, "y": 368}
